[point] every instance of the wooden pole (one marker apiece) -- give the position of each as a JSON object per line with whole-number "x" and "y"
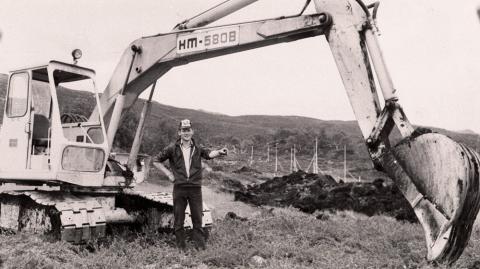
{"x": 251, "y": 157}
{"x": 310, "y": 164}
{"x": 295, "y": 168}
{"x": 276, "y": 159}
{"x": 298, "y": 164}
{"x": 268, "y": 153}
{"x": 315, "y": 162}
{"x": 344, "y": 163}
{"x": 291, "y": 161}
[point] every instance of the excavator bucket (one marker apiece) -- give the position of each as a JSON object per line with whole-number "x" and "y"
{"x": 440, "y": 179}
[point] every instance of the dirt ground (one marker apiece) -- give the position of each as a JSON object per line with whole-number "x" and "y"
{"x": 244, "y": 192}
{"x": 220, "y": 203}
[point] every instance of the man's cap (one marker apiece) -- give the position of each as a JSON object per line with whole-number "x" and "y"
{"x": 185, "y": 124}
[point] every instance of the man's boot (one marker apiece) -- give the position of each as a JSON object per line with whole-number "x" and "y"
{"x": 180, "y": 239}
{"x": 199, "y": 239}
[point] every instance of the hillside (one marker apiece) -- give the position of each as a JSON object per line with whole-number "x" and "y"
{"x": 240, "y": 132}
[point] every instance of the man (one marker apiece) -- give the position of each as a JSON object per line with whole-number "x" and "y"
{"x": 185, "y": 161}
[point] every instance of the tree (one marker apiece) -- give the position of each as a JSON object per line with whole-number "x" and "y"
{"x": 246, "y": 144}
{"x": 259, "y": 139}
{"x": 235, "y": 141}
{"x": 323, "y": 140}
{"x": 339, "y": 139}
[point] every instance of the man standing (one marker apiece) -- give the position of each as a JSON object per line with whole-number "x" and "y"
{"x": 185, "y": 161}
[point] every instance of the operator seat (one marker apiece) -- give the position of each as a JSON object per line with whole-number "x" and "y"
{"x": 40, "y": 130}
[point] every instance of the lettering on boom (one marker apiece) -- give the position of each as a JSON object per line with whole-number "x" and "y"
{"x": 203, "y": 41}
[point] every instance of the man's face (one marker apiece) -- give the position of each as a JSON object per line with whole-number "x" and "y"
{"x": 185, "y": 134}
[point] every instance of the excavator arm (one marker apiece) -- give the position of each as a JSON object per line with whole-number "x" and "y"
{"x": 149, "y": 58}
{"x": 438, "y": 176}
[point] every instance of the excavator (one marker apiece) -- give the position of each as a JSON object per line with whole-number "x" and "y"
{"x": 63, "y": 180}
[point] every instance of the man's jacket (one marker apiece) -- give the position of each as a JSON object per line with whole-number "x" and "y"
{"x": 173, "y": 153}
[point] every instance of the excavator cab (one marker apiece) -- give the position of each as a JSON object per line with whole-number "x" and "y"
{"x": 59, "y": 166}
{"x": 44, "y": 134}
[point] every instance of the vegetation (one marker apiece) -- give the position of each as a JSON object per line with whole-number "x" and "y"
{"x": 282, "y": 238}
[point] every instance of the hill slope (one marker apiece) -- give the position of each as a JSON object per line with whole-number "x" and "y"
{"x": 239, "y": 131}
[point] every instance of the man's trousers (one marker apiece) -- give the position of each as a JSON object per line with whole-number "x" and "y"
{"x": 191, "y": 195}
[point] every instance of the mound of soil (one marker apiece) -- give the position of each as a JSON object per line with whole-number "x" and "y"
{"x": 311, "y": 192}
{"x": 230, "y": 185}
{"x": 246, "y": 170}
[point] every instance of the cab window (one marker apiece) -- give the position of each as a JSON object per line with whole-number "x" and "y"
{"x": 17, "y": 101}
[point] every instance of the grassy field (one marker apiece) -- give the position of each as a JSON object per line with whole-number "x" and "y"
{"x": 263, "y": 238}
{"x": 268, "y": 238}
{"x": 282, "y": 238}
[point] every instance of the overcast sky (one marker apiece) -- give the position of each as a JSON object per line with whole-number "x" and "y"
{"x": 432, "y": 48}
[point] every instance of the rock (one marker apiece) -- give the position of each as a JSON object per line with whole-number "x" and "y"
{"x": 201, "y": 266}
{"x": 378, "y": 183}
{"x": 474, "y": 265}
{"x": 231, "y": 185}
{"x": 233, "y": 216}
{"x": 257, "y": 261}
{"x": 322, "y": 216}
{"x": 246, "y": 170}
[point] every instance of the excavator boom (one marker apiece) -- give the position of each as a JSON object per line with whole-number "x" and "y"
{"x": 149, "y": 58}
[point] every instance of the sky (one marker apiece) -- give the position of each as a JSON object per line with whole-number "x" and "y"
{"x": 432, "y": 49}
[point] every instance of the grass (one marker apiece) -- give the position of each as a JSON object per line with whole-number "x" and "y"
{"x": 268, "y": 238}
{"x": 283, "y": 238}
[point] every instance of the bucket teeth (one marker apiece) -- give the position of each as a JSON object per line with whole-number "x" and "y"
{"x": 440, "y": 179}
